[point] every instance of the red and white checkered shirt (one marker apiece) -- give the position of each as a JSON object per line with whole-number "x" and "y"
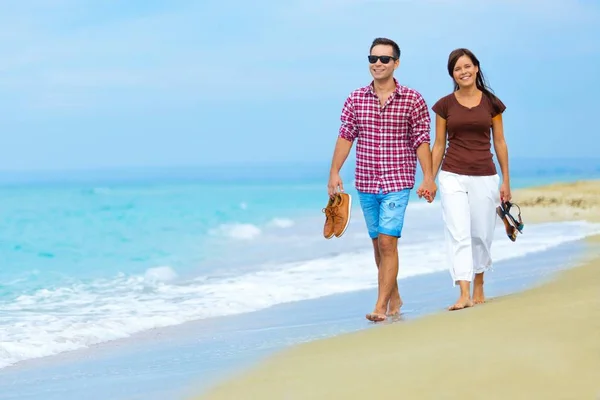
{"x": 387, "y": 136}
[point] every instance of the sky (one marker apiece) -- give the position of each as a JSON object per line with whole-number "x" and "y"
{"x": 110, "y": 84}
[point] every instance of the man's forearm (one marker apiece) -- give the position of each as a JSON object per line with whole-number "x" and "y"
{"x": 340, "y": 154}
{"x": 424, "y": 156}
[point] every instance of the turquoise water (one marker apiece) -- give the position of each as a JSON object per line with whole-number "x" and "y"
{"x": 86, "y": 260}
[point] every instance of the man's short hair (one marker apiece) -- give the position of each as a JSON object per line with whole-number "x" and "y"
{"x": 387, "y": 42}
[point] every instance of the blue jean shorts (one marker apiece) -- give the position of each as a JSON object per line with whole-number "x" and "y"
{"x": 384, "y": 213}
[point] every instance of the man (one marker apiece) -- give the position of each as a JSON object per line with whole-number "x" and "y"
{"x": 391, "y": 124}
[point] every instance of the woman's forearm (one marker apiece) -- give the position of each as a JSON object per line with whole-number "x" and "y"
{"x": 502, "y": 155}
{"x": 437, "y": 154}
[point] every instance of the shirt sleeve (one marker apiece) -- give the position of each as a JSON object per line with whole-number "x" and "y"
{"x": 441, "y": 108}
{"x": 349, "y": 126}
{"x": 499, "y": 109}
{"x": 421, "y": 122}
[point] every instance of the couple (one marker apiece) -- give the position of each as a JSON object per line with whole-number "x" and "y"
{"x": 391, "y": 125}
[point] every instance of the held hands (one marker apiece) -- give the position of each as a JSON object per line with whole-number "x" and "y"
{"x": 505, "y": 194}
{"x": 335, "y": 184}
{"x": 427, "y": 189}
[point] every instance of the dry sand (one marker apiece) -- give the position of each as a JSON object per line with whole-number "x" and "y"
{"x": 540, "y": 344}
{"x": 560, "y": 202}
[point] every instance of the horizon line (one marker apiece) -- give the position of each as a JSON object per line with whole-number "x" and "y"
{"x": 266, "y": 164}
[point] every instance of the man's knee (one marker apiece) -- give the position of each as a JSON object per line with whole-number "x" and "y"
{"x": 375, "y": 243}
{"x": 388, "y": 245}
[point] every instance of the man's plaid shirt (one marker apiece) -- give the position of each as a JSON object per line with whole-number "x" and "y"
{"x": 387, "y": 137}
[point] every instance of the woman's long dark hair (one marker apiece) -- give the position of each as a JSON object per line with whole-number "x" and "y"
{"x": 479, "y": 80}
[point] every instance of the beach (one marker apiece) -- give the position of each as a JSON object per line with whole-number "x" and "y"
{"x": 157, "y": 324}
{"x": 538, "y": 343}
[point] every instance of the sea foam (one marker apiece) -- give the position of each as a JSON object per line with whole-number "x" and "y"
{"x": 53, "y": 320}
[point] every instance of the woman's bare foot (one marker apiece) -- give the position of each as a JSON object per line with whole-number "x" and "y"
{"x": 464, "y": 301}
{"x": 461, "y": 303}
{"x": 478, "y": 296}
{"x": 394, "y": 306}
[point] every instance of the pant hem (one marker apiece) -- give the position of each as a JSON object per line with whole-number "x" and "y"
{"x": 455, "y": 281}
{"x": 390, "y": 232}
{"x": 480, "y": 270}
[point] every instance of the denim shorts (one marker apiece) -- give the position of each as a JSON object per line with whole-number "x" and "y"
{"x": 384, "y": 213}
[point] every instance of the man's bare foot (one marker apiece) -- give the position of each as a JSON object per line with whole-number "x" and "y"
{"x": 377, "y": 315}
{"x": 478, "y": 296}
{"x": 394, "y": 307}
{"x": 461, "y": 303}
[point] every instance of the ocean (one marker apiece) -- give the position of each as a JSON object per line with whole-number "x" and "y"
{"x": 95, "y": 257}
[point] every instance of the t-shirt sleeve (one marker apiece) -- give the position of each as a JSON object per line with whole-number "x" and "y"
{"x": 441, "y": 107}
{"x": 499, "y": 109}
{"x": 348, "y": 127}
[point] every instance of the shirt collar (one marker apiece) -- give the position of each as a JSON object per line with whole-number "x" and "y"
{"x": 371, "y": 88}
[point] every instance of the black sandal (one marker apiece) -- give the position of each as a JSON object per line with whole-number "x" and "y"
{"x": 511, "y": 224}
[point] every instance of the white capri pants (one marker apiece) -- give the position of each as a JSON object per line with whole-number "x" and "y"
{"x": 469, "y": 211}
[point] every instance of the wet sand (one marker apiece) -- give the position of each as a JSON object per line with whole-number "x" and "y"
{"x": 542, "y": 343}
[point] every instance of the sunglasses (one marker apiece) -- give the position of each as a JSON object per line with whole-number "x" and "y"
{"x": 384, "y": 59}
{"x": 511, "y": 224}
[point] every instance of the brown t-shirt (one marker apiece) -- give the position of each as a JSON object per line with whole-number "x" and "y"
{"x": 469, "y": 133}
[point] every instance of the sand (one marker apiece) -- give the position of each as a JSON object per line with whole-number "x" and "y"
{"x": 560, "y": 202}
{"x": 543, "y": 343}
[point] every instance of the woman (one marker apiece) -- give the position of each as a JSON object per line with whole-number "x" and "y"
{"x": 469, "y": 118}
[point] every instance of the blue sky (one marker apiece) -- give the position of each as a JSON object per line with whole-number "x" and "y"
{"x": 93, "y": 84}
